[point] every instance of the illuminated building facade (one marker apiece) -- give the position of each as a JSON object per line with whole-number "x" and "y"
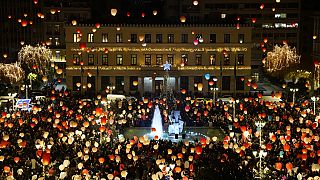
{"x": 130, "y": 58}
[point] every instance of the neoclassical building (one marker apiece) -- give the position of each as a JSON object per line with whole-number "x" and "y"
{"x": 130, "y": 57}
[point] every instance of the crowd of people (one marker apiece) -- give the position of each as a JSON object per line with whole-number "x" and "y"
{"x": 66, "y": 137}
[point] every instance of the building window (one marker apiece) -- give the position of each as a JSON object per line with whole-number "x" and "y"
{"x": 104, "y": 59}
{"x": 119, "y": 38}
{"x": 184, "y": 38}
{"x": 239, "y": 83}
{"x": 241, "y": 38}
{"x": 90, "y": 59}
{"x": 90, "y": 37}
{"x": 198, "y": 59}
{"x": 133, "y": 87}
{"x": 58, "y": 56}
{"x": 147, "y": 38}
{"x": 212, "y": 59}
{"x": 170, "y": 38}
{"x": 184, "y": 82}
{"x": 226, "y": 60}
{"x": 75, "y": 81}
{"x": 184, "y": 59}
{"x": 76, "y": 37}
{"x": 104, "y": 37}
{"x": 240, "y": 59}
{"x": 133, "y": 59}
{"x": 170, "y": 58}
{"x": 226, "y": 83}
{"x": 226, "y": 38}
{"x": 91, "y": 80}
{"x": 147, "y": 59}
{"x": 159, "y": 59}
{"x": 133, "y": 38}
{"x": 119, "y": 83}
{"x": 119, "y": 59}
{"x": 76, "y": 59}
{"x": 197, "y": 80}
{"x": 213, "y": 38}
{"x": 159, "y": 38}
{"x": 105, "y": 82}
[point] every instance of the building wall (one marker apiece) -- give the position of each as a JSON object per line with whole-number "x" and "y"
{"x": 155, "y": 71}
{"x": 277, "y": 22}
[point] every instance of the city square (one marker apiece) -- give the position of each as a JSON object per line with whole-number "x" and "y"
{"x": 159, "y": 89}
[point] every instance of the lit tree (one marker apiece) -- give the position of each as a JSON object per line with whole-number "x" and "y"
{"x": 34, "y": 59}
{"x": 11, "y": 73}
{"x": 281, "y": 59}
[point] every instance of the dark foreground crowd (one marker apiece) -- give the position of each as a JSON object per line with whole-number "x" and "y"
{"x": 63, "y": 137}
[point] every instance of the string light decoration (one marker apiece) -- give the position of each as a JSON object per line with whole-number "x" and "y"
{"x": 35, "y": 59}
{"x": 316, "y": 75}
{"x": 298, "y": 74}
{"x": 11, "y": 73}
{"x": 281, "y": 58}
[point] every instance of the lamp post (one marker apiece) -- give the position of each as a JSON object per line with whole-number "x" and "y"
{"x": 260, "y": 124}
{"x": 111, "y": 88}
{"x": 314, "y": 99}
{"x": 214, "y": 89}
{"x": 294, "y": 90}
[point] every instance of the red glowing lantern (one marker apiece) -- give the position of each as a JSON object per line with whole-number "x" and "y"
{"x": 101, "y": 160}
{"x": 278, "y": 166}
{"x": 128, "y": 14}
{"x": 111, "y": 157}
{"x": 24, "y": 23}
{"x": 289, "y": 166}
{"x": 183, "y": 91}
{"x": 262, "y": 6}
{"x": 203, "y": 141}
{"x": 35, "y": 1}
{"x": 286, "y": 147}
{"x": 198, "y": 150}
{"x": 82, "y": 46}
{"x": 98, "y": 25}
{"x": 211, "y": 83}
{"x": 153, "y": 129}
{"x": 143, "y": 14}
{"x": 45, "y": 158}
{"x": 254, "y": 20}
{"x": 187, "y": 108}
{"x": 16, "y": 159}
{"x": 103, "y": 120}
{"x": 269, "y": 147}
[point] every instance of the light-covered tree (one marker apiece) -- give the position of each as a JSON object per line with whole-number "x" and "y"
{"x": 11, "y": 73}
{"x": 34, "y": 58}
{"x": 281, "y": 59}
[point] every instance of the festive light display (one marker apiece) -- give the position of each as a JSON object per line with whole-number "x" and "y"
{"x": 34, "y": 58}
{"x": 11, "y": 73}
{"x": 281, "y": 58}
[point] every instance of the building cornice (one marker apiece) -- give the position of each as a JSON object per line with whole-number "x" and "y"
{"x": 161, "y": 25}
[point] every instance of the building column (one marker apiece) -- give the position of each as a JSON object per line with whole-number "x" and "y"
{"x": 191, "y": 83}
{"x": 177, "y": 87}
{"x": 153, "y": 84}
{"x": 112, "y": 80}
{"x": 205, "y": 86}
{"x": 141, "y": 85}
{"x": 98, "y": 83}
{"x": 127, "y": 84}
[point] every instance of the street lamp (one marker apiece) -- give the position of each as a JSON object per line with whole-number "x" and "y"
{"x": 260, "y": 124}
{"x": 214, "y": 89}
{"x": 260, "y": 155}
{"x": 111, "y": 88}
{"x": 314, "y": 99}
{"x": 294, "y": 90}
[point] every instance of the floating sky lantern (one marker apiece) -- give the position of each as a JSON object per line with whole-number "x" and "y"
{"x": 114, "y": 12}
{"x": 183, "y": 19}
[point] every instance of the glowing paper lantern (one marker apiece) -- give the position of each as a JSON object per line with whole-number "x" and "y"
{"x": 155, "y": 12}
{"x": 207, "y": 76}
{"x": 98, "y": 25}
{"x": 196, "y": 42}
{"x": 182, "y": 19}
{"x": 74, "y": 22}
{"x": 45, "y": 158}
{"x": 101, "y": 160}
{"x": 114, "y": 12}
{"x": 183, "y": 91}
{"x": 278, "y": 166}
{"x": 200, "y": 87}
{"x": 135, "y": 83}
{"x": 24, "y": 23}
{"x": 195, "y": 2}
